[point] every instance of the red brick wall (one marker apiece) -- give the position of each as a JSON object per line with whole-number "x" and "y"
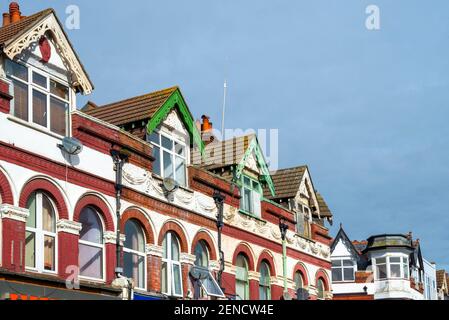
{"x": 13, "y": 242}
{"x": 68, "y": 253}
{"x": 276, "y": 292}
{"x": 5, "y": 97}
{"x": 110, "y": 262}
{"x": 154, "y": 268}
{"x": 253, "y": 290}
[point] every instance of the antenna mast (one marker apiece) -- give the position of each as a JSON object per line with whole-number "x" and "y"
{"x": 225, "y": 87}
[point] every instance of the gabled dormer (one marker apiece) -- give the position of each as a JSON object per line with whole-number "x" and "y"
{"x": 42, "y": 70}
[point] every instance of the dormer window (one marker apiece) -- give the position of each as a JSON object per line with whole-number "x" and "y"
{"x": 39, "y": 98}
{"x": 251, "y": 193}
{"x": 170, "y": 157}
{"x": 343, "y": 270}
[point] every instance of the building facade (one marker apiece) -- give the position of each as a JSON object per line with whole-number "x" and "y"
{"x": 121, "y": 201}
{"x": 384, "y": 267}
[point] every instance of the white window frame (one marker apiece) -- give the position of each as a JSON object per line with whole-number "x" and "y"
{"x": 404, "y": 261}
{"x": 96, "y": 245}
{"x": 170, "y": 266}
{"x": 140, "y": 254}
{"x": 40, "y": 235}
{"x": 342, "y": 269}
{"x": 46, "y": 91}
{"x": 172, "y": 153}
{"x": 255, "y": 208}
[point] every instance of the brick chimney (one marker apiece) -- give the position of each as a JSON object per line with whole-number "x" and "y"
{"x": 14, "y": 12}
{"x": 6, "y": 19}
{"x": 206, "y": 130}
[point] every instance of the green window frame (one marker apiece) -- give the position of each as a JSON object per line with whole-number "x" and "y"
{"x": 251, "y": 194}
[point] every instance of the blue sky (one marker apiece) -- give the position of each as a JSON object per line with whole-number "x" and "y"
{"x": 366, "y": 110}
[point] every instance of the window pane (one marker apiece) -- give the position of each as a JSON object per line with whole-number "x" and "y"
{"x": 91, "y": 261}
{"x": 17, "y": 70}
{"x": 349, "y": 274}
{"x": 381, "y": 271}
{"x": 180, "y": 149}
{"x": 241, "y": 290}
{"x": 211, "y": 286}
{"x": 381, "y": 260}
{"x": 177, "y": 279}
{"x": 30, "y": 250}
{"x": 31, "y": 221}
{"x": 167, "y": 143}
{"x": 247, "y": 182}
{"x": 134, "y": 236}
{"x": 247, "y": 197}
{"x": 406, "y": 271}
{"x": 395, "y": 270}
{"x": 20, "y": 100}
{"x": 39, "y": 108}
{"x": 255, "y": 186}
{"x": 201, "y": 255}
{"x": 348, "y": 263}
{"x": 164, "y": 277}
{"x": 49, "y": 253}
{"x": 337, "y": 274}
{"x": 180, "y": 171}
{"x": 58, "y": 116}
{"x": 395, "y": 260}
{"x": 320, "y": 289}
{"x": 59, "y": 90}
{"x": 92, "y": 230}
{"x": 168, "y": 165}
{"x": 39, "y": 80}
{"x": 134, "y": 267}
{"x": 154, "y": 137}
{"x": 298, "y": 281}
{"x": 336, "y": 263}
{"x": 48, "y": 215}
{"x": 157, "y": 161}
{"x": 174, "y": 248}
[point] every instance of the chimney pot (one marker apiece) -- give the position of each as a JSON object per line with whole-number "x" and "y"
{"x": 207, "y": 125}
{"x": 6, "y": 19}
{"x": 14, "y": 12}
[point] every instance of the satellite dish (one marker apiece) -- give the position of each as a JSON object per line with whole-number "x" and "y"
{"x": 71, "y": 145}
{"x": 170, "y": 184}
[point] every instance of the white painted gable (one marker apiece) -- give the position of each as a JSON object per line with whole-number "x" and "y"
{"x": 251, "y": 163}
{"x": 341, "y": 250}
{"x": 174, "y": 126}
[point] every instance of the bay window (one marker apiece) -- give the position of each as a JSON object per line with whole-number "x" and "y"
{"x": 343, "y": 270}
{"x": 40, "y": 242}
{"x": 39, "y": 98}
{"x": 170, "y": 157}
{"x": 395, "y": 267}
{"x": 264, "y": 282}
{"x": 91, "y": 245}
{"x": 241, "y": 278}
{"x": 134, "y": 254}
{"x": 251, "y": 193}
{"x": 171, "y": 266}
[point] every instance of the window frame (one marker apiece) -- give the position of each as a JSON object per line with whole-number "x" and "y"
{"x": 342, "y": 267}
{"x": 138, "y": 253}
{"x": 403, "y": 265}
{"x": 173, "y": 154}
{"x": 170, "y": 264}
{"x": 40, "y": 234}
{"x": 265, "y": 287}
{"x": 244, "y": 282}
{"x": 320, "y": 280}
{"x": 252, "y": 190}
{"x": 95, "y": 245}
{"x": 31, "y": 87}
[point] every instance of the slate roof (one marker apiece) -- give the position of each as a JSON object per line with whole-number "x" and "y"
{"x": 14, "y": 30}
{"x": 286, "y": 182}
{"x": 324, "y": 209}
{"x": 130, "y": 110}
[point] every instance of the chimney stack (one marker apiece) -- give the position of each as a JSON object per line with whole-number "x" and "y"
{"x": 14, "y": 12}
{"x": 6, "y": 19}
{"x": 206, "y": 130}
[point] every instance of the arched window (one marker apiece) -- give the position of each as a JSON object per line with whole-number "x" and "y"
{"x": 264, "y": 282}
{"x": 91, "y": 244}
{"x": 320, "y": 289}
{"x": 40, "y": 250}
{"x": 299, "y": 280}
{"x": 241, "y": 278}
{"x": 171, "y": 267}
{"x": 134, "y": 253}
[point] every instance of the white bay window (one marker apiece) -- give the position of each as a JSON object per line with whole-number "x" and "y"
{"x": 392, "y": 267}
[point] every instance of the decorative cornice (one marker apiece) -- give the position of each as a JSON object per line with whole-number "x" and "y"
{"x": 187, "y": 258}
{"x": 14, "y": 213}
{"x": 154, "y": 250}
{"x": 68, "y": 226}
{"x": 214, "y": 265}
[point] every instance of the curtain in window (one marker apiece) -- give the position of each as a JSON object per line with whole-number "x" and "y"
{"x": 39, "y": 108}
{"x": 58, "y": 116}
{"x": 49, "y": 225}
{"x": 20, "y": 100}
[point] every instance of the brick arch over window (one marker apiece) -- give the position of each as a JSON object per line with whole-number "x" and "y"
{"x": 176, "y": 228}
{"x": 303, "y": 271}
{"x": 134, "y": 214}
{"x": 50, "y": 189}
{"x": 207, "y": 239}
{"x": 244, "y": 249}
{"x": 268, "y": 258}
{"x": 99, "y": 205}
{"x": 323, "y": 276}
{"x": 6, "y": 194}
